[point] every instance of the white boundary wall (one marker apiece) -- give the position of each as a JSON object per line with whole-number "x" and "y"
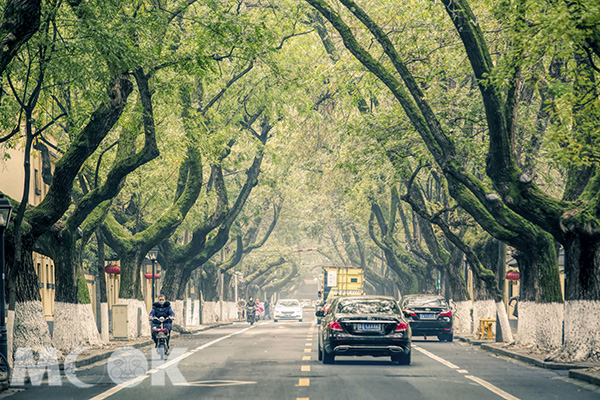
{"x": 462, "y": 322}
{"x": 483, "y": 309}
{"x": 211, "y": 311}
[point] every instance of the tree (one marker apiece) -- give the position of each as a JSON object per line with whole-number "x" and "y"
{"x": 573, "y": 220}
{"x": 20, "y": 21}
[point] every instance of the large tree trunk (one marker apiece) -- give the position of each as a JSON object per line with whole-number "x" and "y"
{"x": 130, "y": 287}
{"x": 171, "y": 281}
{"x": 582, "y": 298}
{"x": 74, "y": 324}
{"x": 27, "y": 326}
{"x": 104, "y": 324}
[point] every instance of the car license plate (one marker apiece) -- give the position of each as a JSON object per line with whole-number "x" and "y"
{"x": 368, "y": 327}
{"x": 427, "y": 316}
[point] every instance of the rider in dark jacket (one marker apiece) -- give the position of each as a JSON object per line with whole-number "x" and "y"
{"x": 251, "y": 307}
{"x": 161, "y": 308}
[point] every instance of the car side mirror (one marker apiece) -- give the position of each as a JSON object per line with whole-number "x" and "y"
{"x": 319, "y": 313}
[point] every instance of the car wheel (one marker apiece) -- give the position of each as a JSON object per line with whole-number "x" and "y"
{"x": 450, "y": 337}
{"x": 441, "y": 338}
{"x": 402, "y": 359}
{"x": 320, "y": 354}
{"x": 328, "y": 358}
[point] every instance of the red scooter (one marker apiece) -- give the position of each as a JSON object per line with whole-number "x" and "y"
{"x": 162, "y": 336}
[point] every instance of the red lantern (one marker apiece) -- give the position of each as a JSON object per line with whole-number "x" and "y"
{"x": 149, "y": 276}
{"x": 112, "y": 269}
{"x": 513, "y": 276}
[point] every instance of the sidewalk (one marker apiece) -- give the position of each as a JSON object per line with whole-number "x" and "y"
{"x": 585, "y": 371}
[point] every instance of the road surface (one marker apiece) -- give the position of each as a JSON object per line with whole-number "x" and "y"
{"x": 279, "y": 361}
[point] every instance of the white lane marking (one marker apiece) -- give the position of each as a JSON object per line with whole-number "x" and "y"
{"x": 140, "y": 378}
{"x": 436, "y": 358}
{"x": 484, "y": 383}
{"x": 215, "y": 383}
{"x": 492, "y": 388}
{"x": 462, "y": 371}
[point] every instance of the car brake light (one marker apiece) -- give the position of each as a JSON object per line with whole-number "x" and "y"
{"x": 446, "y": 313}
{"x": 335, "y": 326}
{"x": 410, "y": 312}
{"x": 402, "y": 327}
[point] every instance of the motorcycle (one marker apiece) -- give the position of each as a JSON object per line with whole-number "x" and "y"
{"x": 251, "y": 315}
{"x": 162, "y": 336}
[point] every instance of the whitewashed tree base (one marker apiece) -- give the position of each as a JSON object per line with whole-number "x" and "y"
{"x": 10, "y": 325}
{"x": 502, "y": 321}
{"x": 540, "y": 325}
{"x": 74, "y": 326}
{"x": 582, "y": 331}
{"x": 462, "y": 321}
{"x": 30, "y": 328}
{"x": 104, "y": 333}
{"x": 483, "y": 309}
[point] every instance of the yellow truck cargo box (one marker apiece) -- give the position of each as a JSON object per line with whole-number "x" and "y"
{"x": 342, "y": 281}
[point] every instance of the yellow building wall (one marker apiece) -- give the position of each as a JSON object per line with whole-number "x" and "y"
{"x": 44, "y": 268}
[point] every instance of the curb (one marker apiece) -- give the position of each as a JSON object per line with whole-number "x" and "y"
{"x": 474, "y": 342}
{"x": 533, "y": 360}
{"x": 594, "y": 379}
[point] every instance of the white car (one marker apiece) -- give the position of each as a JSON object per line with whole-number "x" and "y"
{"x": 287, "y": 309}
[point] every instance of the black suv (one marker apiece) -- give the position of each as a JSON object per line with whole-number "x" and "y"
{"x": 428, "y": 315}
{"x": 364, "y": 326}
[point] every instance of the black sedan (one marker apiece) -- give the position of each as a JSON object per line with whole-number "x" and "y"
{"x": 428, "y": 315}
{"x": 364, "y": 326}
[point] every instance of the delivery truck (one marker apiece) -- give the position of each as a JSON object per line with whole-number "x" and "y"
{"x": 341, "y": 281}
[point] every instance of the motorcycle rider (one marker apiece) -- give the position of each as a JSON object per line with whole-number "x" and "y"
{"x": 161, "y": 308}
{"x": 251, "y": 307}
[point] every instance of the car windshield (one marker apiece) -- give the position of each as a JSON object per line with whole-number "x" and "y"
{"x": 425, "y": 302}
{"x": 288, "y": 303}
{"x": 367, "y": 306}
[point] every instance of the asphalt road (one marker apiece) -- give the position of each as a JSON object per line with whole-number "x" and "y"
{"x": 279, "y": 361}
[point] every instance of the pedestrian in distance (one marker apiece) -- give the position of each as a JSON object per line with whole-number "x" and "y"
{"x": 241, "y": 309}
{"x": 267, "y": 309}
{"x": 516, "y": 306}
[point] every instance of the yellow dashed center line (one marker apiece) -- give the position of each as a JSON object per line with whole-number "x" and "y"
{"x": 307, "y": 350}
{"x": 302, "y": 398}
{"x": 304, "y": 382}
{"x": 306, "y": 358}
{"x": 305, "y": 368}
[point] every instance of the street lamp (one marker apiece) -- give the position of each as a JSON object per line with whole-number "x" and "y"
{"x": 152, "y": 255}
{"x": 5, "y": 211}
